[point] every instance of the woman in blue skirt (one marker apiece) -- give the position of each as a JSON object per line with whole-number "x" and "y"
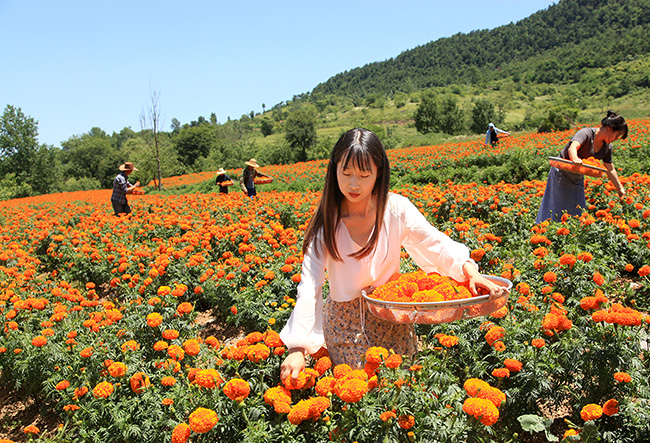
{"x": 565, "y": 191}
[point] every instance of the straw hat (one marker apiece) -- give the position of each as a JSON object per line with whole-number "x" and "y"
{"x": 252, "y": 162}
{"x": 128, "y": 166}
{"x": 221, "y": 171}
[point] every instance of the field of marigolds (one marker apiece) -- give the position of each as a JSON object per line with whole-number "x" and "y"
{"x": 114, "y": 326}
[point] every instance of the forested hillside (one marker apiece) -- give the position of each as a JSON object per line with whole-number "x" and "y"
{"x": 552, "y": 45}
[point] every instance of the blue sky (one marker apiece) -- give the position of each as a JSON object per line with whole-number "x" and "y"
{"x": 75, "y": 65}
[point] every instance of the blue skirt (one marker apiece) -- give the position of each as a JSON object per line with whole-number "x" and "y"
{"x": 565, "y": 192}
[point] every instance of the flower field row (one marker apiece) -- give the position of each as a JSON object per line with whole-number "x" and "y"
{"x": 416, "y": 159}
{"x": 100, "y": 320}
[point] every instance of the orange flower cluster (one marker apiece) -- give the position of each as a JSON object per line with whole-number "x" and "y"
{"x": 618, "y": 314}
{"x": 480, "y": 389}
{"x": 419, "y": 287}
{"x": 556, "y": 321}
{"x": 309, "y": 409}
{"x": 447, "y": 340}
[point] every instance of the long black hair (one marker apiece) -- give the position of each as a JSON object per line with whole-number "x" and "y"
{"x": 616, "y": 122}
{"x": 359, "y": 147}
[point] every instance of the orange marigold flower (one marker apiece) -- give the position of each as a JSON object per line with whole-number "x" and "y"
{"x": 406, "y": 421}
{"x": 306, "y": 378}
{"x": 154, "y": 319}
{"x": 117, "y": 369}
{"x": 62, "y": 385}
{"x": 523, "y": 288}
{"x": 341, "y": 370}
{"x": 213, "y": 342}
{"x": 181, "y": 433}
{"x": 191, "y": 347}
{"x": 80, "y": 392}
{"x": 299, "y": 413}
{"x": 130, "y": 345}
{"x": 139, "y": 382}
{"x": 325, "y": 386}
{"x": 644, "y": 270}
{"x": 87, "y": 352}
{"x": 184, "y": 308}
{"x": 39, "y": 341}
{"x": 568, "y": 259}
{"x": 550, "y": 277}
{"x": 599, "y": 279}
{"x": 591, "y": 412}
{"x": 167, "y": 401}
{"x": 176, "y": 352}
{"x": 208, "y": 378}
{"x": 589, "y": 302}
{"x": 160, "y": 345}
{"x": 610, "y": 407}
{"x": 203, "y": 420}
{"x": 622, "y": 377}
{"x": 322, "y": 365}
{"x": 279, "y": 397}
{"x": 447, "y": 340}
{"x": 394, "y": 361}
{"x": 477, "y": 254}
{"x": 512, "y": 364}
{"x": 71, "y": 408}
{"x": 501, "y": 372}
{"x": 353, "y": 390}
{"x": 495, "y": 333}
{"x": 387, "y": 415}
{"x": 103, "y": 390}
{"x": 237, "y": 389}
{"x": 168, "y": 381}
{"x": 170, "y": 334}
{"x": 31, "y": 429}
{"x": 473, "y": 385}
{"x": 258, "y": 352}
{"x": 481, "y": 409}
{"x": 376, "y": 354}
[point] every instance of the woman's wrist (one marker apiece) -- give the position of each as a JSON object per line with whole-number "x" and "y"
{"x": 301, "y": 350}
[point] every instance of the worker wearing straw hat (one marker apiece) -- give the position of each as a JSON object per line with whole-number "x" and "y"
{"x": 222, "y": 177}
{"x": 121, "y": 187}
{"x": 247, "y": 179}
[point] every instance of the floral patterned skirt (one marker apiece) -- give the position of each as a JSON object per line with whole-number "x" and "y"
{"x": 345, "y": 338}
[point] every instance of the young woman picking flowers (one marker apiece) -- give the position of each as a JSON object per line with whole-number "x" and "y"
{"x": 356, "y": 234}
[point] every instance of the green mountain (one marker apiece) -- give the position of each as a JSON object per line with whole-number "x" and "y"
{"x": 556, "y": 45}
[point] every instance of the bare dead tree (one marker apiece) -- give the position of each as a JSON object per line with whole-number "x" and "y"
{"x": 151, "y": 122}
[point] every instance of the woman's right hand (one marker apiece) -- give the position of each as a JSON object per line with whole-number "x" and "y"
{"x": 293, "y": 365}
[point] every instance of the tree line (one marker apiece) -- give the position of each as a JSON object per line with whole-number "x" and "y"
{"x": 90, "y": 160}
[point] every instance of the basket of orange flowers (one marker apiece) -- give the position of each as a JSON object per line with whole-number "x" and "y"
{"x": 263, "y": 180}
{"x": 586, "y": 168}
{"x": 423, "y": 298}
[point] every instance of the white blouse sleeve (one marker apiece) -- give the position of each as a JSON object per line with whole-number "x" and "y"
{"x": 305, "y": 326}
{"x": 431, "y": 249}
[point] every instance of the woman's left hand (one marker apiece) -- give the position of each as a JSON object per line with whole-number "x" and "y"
{"x": 493, "y": 289}
{"x": 476, "y": 281}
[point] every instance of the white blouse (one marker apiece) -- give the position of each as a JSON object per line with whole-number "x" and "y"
{"x": 403, "y": 225}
